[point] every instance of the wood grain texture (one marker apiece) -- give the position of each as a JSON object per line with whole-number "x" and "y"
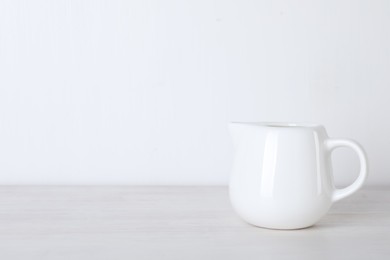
{"x": 124, "y": 222}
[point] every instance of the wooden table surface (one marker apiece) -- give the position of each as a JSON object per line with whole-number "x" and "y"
{"x": 127, "y": 222}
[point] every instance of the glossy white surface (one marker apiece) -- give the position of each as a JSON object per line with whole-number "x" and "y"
{"x": 282, "y": 173}
{"x": 176, "y": 223}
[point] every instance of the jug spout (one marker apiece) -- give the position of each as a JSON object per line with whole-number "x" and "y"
{"x": 237, "y": 132}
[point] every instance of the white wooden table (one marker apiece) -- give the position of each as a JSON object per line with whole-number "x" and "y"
{"x": 124, "y": 222}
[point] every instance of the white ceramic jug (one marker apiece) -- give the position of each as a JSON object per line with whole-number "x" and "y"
{"x": 282, "y": 173}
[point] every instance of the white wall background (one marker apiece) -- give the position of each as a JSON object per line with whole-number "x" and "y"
{"x": 140, "y": 92}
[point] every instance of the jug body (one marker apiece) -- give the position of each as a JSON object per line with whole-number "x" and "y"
{"x": 282, "y": 175}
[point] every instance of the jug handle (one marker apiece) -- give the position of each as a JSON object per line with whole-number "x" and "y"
{"x": 331, "y": 144}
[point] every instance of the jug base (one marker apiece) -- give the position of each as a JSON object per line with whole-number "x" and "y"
{"x": 281, "y": 227}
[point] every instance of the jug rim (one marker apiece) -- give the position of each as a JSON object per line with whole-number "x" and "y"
{"x": 281, "y": 124}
